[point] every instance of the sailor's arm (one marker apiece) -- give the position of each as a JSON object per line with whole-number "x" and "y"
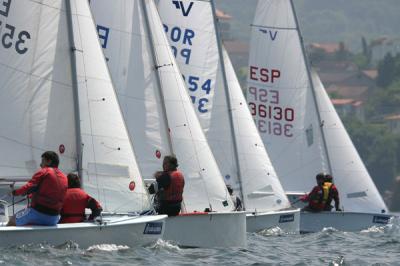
{"x": 31, "y": 185}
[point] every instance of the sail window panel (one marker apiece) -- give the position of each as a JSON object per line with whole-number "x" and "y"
{"x": 111, "y": 170}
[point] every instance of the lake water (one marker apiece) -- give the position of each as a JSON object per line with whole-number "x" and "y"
{"x": 375, "y": 246}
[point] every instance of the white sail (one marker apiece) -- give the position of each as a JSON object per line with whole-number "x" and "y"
{"x": 191, "y": 31}
{"x": 36, "y": 95}
{"x": 280, "y": 97}
{"x": 261, "y": 186}
{"x": 109, "y": 167}
{"x": 357, "y": 190}
{"x": 302, "y": 132}
{"x": 156, "y": 106}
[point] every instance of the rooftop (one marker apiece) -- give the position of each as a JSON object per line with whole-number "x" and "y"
{"x": 341, "y": 102}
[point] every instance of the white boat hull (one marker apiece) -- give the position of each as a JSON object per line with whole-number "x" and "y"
{"x": 207, "y": 230}
{"x": 288, "y": 221}
{"x": 123, "y": 230}
{"x": 343, "y": 221}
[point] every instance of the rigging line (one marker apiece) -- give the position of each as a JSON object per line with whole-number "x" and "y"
{"x": 179, "y": 80}
{"x": 154, "y": 60}
{"x": 30, "y": 88}
{"x": 311, "y": 83}
{"x": 272, "y": 27}
{"x": 35, "y": 75}
{"x": 46, "y": 5}
{"x": 82, "y": 52}
{"x": 28, "y": 145}
{"x": 228, "y": 98}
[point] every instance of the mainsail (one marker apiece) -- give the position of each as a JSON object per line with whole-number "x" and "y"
{"x": 153, "y": 97}
{"x": 220, "y": 104}
{"x": 40, "y": 78}
{"x": 290, "y": 117}
{"x": 36, "y": 95}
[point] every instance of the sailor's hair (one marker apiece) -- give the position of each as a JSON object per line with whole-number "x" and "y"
{"x": 52, "y": 157}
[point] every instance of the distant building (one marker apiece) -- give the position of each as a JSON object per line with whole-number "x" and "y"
{"x": 349, "y": 107}
{"x": 224, "y": 24}
{"x": 357, "y": 93}
{"x": 327, "y": 48}
{"x": 393, "y": 123}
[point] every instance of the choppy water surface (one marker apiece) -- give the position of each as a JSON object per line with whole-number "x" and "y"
{"x": 375, "y": 246}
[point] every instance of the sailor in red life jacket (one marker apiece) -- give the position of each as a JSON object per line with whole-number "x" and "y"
{"x": 76, "y": 201}
{"x": 168, "y": 188}
{"x": 333, "y": 193}
{"x": 47, "y": 187}
{"x": 316, "y": 196}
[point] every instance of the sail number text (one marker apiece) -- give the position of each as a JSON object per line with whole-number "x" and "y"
{"x": 270, "y": 117}
{"x": 181, "y": 36}
{"x": 196, "y": 84}
{"x": 10, "y": 37}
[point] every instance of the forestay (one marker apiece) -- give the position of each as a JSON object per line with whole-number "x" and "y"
{"x": 358, "y": 191}
{"x": 301, "y": 129}
{"x": 36, "y": 95}
{"x": 280, "y": 97}
{"x": 191, "y": 31}
{"x": 109, "y": 168}
{"x": 156, "y": 106}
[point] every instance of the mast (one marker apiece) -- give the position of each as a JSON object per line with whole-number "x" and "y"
{"x": 156, "y": 67}
{"x": 75, "y": 88}
{"x": 228, "y": 100}
{"x": 312, "y": 87}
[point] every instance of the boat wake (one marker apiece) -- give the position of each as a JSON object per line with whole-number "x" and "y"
{"x": 392, "y": 228}
{"x": 273, "y": 231}
{"x": 329, "y": 230}
{"x": 107, "y": 247}
{"x": 165, "y": 245}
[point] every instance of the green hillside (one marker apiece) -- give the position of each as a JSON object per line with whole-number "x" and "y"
{"x": 329, "y": 20}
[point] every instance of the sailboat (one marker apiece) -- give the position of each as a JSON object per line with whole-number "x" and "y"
{"x": 161, "y": 121}
{"x": 299, "y": 126}
{"x": 192, "y": 30}
{"x": 56, "y": 94}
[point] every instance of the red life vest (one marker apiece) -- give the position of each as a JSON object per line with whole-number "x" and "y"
{"x": 173, "y": 193}
{"x": 75, "y": 203}
{"x": 49, "y": 195}
{"x": 316, "y": 198}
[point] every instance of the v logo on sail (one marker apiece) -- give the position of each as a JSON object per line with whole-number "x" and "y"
{"x": 271, "y": 34}
{"x": 181, "y": 6}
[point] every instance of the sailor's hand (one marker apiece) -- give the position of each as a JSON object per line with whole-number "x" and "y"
{"x": 303, "y": 198}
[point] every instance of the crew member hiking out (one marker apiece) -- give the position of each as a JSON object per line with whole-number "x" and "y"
{"x": 76, "y": 201}
{"x": 168, "y": 188}
{"x": 47, "y": 187}
{"x": 330, "y": 192}
{"x": 317, "y": 197}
